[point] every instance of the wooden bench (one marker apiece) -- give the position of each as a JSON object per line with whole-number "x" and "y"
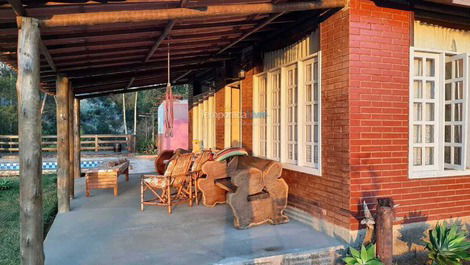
{"x": 106, "y": 176}
{"x": 252, "y": 186}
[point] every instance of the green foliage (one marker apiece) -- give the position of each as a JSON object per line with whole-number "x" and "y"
{"x": 10, "y": 214}
{"x": 447, "y": 245}
{"x": 365, "y": 256}
{"x": 6, "y": 183}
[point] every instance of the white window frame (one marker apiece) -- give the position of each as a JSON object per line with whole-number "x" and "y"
{"x": 300, "y": 105}
{"x": 292, "y": 106}
{"x": 439, "y": 169}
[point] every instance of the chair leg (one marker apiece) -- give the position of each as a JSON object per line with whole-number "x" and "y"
{"x": 169, "y": 198}
{"x": 127, "y": 174}
{"x": 191, "y": 191}
{"x": 196, "y": 192}
{"x": 116, "y": 191}
{"x": 142, "y": 193}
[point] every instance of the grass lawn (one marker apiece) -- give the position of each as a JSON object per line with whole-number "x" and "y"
{"x": 10, "y": 215}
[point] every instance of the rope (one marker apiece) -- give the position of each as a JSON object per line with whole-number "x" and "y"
{"x": 169, "y": 115}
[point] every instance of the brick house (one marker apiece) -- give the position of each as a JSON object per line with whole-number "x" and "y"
{"x": 369, "y": 102}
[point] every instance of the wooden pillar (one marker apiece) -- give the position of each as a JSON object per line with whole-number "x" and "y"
{"x": 63, "y": 146}
{"x": 76, "y": 138}
{"x": 71, "y": 142}
{"x": 29, "y": 131}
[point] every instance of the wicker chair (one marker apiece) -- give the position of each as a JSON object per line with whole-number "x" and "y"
{"x": 171, "y": 187}
{"x": 196, "y": 173}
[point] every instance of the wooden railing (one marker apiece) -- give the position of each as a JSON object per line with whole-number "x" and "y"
{"x": 96, "y": 142}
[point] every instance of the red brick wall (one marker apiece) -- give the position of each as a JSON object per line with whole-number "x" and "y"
{"x": 219, "y": 121}
{"x": 379, "y": 97}
{"x": 327, "y": 197}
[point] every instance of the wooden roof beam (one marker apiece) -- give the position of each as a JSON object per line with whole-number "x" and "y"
{"x": 17, "y": 6}
{"x": 244, "y": 36}
{"x": 47, "y": 55}
{"x": 96, "y": 18}
{"x": 119, "y": 91}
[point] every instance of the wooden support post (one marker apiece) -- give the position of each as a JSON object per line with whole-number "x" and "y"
{"x": 97, "y": 144}
{"x": 135, "y": 16}
{"x": 76, "y": 138}
{"x": 29, "y": 131}
{"x": 63, "y": 146}
{"x": 384, "y": 230}
{"x": 71, "y": 142}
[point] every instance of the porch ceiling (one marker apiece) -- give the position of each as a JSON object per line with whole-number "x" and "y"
{"x": 115, "y": 56}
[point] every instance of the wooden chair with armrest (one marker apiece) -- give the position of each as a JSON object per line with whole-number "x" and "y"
{"x": 171, "y": 187}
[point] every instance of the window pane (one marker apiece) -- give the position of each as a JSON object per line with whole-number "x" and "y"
{"x": 308, "y": 153}
{"x": 429, "y": 156}
{"x": 315, "y": 154}
{"x": 417, "y": 133}
{"x": 418, "y": 65}
{"x": 457, "y": 155}
{"x": 458, "y": 112}
{"x": 418, "y": 111}
{"x": 315, "y": 112}
{"x": 459, "y": 68}
{"x": 308, "y": 93}
{"x": 315, "y": 135}
{"x": 448, "y": 91}
{"x": 447, "y": 133}
{"x": 417, "y": 161}
{"x": 449, "y": 70}
{"x": 308, "y": 72}
{"x": 308, "y": 133}
{"x": 429, "y": 90}
{"x": 430, "y": 67}
{"x": 458, "y": 134}
{"x": 315, "y": 71}
{"x": 308, "y": 113}
{"x": 418, "y": 89}
{"x": 430, "y": 111}
{"x": 459, "y": 90}
{"x": 429, "y": 136}
{"x": 447, "y": 155}
{"x": 315, "y": 92}
{"x": 448, "y": 112}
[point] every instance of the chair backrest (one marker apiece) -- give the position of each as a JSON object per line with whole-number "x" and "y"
{"x": 201, "y": 158}
{"x": 181, "y": 164}
{"x": 180, "y": 168}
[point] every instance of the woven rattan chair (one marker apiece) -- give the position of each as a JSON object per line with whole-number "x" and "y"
{"x": 171, "y": 187}
{"x": 196, "y": 173}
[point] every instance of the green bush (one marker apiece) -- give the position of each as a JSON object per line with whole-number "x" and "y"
{"x": 447, "y": 245}
{"x": 365, "y": 256}
{"x": 6, "y": 183}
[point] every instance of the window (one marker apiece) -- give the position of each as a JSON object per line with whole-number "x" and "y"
{"x": 292, "y": 114}
{"x": 275, "y": 115}
{"x": 262, "y": 117}
{"x": 438, "y": 114}
{"x": 311, "y": 108}
{"x": 290, "y": 132}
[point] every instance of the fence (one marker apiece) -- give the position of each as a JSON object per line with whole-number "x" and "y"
{"x": 97, "y": 142}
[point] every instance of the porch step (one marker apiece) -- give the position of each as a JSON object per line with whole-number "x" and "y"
{"x": 323, "y": 256}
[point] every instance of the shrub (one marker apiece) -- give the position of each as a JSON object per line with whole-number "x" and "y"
{"x": 6, "y": 183}
{"x": 447, "y": 245}
{"x": 366, "y": 256}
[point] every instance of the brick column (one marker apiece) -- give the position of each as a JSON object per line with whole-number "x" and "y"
{"x": 379, "y": 43}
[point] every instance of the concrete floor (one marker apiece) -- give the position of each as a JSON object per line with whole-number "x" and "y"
{"x": 103, "y": 229}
